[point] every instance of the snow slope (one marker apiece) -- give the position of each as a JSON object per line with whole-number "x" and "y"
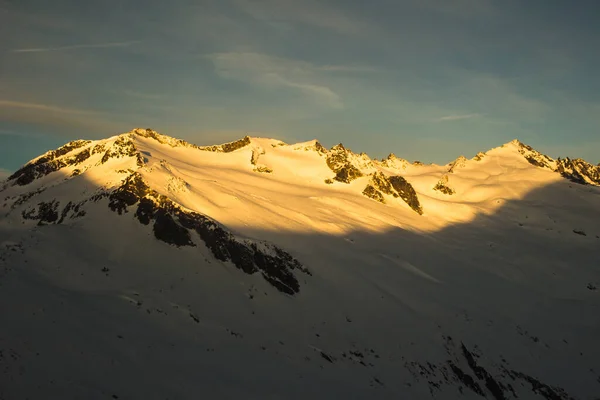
{"x": 142, "y": 266}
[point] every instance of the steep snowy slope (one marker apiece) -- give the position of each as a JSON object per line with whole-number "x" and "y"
{"x": 142, "y": 266}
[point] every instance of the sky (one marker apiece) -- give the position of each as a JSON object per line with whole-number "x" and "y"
{"x": 425, "y": 79}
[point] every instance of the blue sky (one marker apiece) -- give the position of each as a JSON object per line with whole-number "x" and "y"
{"x": 426, "y": 79}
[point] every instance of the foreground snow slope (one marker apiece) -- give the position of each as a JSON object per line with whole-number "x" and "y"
{"x": 236, "y": 270}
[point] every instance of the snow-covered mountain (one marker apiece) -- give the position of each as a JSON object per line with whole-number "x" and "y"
{"x": 142, "y": 266}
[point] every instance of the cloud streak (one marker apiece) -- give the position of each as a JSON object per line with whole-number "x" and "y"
{"x": 62, "y": 120}
{"x": 76, "y": 46}
{"x": 43, "y": 107}
{"x": 276, "y": 73}
{"x": 457, "y": 117}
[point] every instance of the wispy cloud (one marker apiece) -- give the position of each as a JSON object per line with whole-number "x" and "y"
{"x": 62, "y": 120}
{"x": 457, "y": 117}
{"x": 75, "y": 47}
{"x": 43, "y": 107}
{"x": 4, "y": 132}
{"x": 274, "y": 72}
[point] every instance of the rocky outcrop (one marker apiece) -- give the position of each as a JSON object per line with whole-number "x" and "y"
{"x": 465, "y": 370}
{"x": 338, "y": 161}
{"x": 395, "y": 186}
{"x": 578, "y": 171}
{"x": 46, "y": 212}
{"x": 23, "y": 198}
{"x": 162, "y": 139}
{"x": 373, "y": 193}
{"x": 320, "y": 149}
{"x": 442, "y": 186}
{"x": 263, "y": 169}
{"x": 256, "y": 153}
{"x": 460, "y": 162}
{"x": 314, "y": 145}
{"x": 172, "y": 224}
{"x": 479, "y": 156}
{"x": 121, "y": 148}
{"x": 99, "y": 148}
{"x": 50, "y": 162}
{"x": 391, "y": 161}
{"x": 534, "y": 157}
{"x": 227, "y": 147}
{"x": 173, "y": 142}
{"x": 406, "y": 193}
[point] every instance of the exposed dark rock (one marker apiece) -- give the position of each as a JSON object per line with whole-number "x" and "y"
{"x": 122, "y": 147}
{"x": 195, "y": 318}
{"x": 26, "y": 196}
{"x": 456, "y": 164}
{"x": 548, "y": 392}
{"x": 373, "y": 193}
{"x": 99, "y": 148}
{"x": 347, "y": 173}
{"x": 319, "y": 147}
{"x": 173, "y": 142}
{"x": 149, "y": 133}
{"x": 493, "y": 384}
{"x": 263, "y": 169}
{"x": 406, "y": 192}
{"x": 479, "y": 156}
{"x": 256, "y": 153}
{"x": 46, "y": 212}
{"x": 275, "y": 264}
{"x": 490, "y": 383}
{"x": 145, "y": 210}
{"x": 382, "y": 183}
{"x": 329, "y": 181}
{"x": 579, "y": 232}
{"x": 327, "y": 357}
{"x": 227, "y": 147}
{"x": 128, "y": 194}
{"x": 577, "y": 170}
{"x": 396, "y": 186}
{"x": 167, "y": 230}
{"x": 338, "y": 162}
{"x": 442, "y": 186}
{"x": 172, "y": 225}
{"x": 80, "y": 157}
{"x": 534, "y": 157}
{"x": 65, "y": 211}
{"x": 466, "y": 379}
{"x": 50, "y": 162}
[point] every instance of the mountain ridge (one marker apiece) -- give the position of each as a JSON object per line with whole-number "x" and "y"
{"x": 243, "y": 272}
{"x": 385, "y": 181}
{"x": 133, "y": 178}
{"x": 577, "y": 170}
